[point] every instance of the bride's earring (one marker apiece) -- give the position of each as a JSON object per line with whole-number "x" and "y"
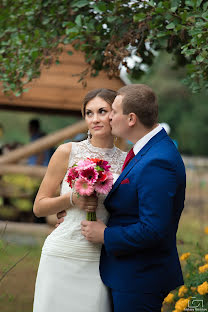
{"x": 89, "y": 135}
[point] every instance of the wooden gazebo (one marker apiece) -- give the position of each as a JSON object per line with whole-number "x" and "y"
{"x": 56, "y": 91}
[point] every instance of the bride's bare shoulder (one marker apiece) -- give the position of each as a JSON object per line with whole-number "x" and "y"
{"x": 63, "y": 151}
{"x": 65, "y": 148}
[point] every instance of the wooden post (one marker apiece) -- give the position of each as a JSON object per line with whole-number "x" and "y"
{"x": 43, "y": 143}
{"x": 32, "y": 171}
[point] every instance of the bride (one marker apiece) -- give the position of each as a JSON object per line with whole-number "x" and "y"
{"x": 68, "y": 277}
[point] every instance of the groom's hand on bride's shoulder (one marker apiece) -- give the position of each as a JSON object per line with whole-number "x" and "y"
{"x": 93, "y": 231}
{"x": 60, "y": 217}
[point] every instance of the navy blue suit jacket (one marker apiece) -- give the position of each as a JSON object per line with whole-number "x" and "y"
{"x": 145, "y": 204}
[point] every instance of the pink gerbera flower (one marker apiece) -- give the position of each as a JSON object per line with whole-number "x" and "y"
{"x": 104, "y": 187}
{"x": 82, "y": 164}
{"x": 83, "y": 187}
{"x": 90, "y": 174}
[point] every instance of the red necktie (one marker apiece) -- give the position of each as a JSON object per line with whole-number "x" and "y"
{"x": 129, "y": 157}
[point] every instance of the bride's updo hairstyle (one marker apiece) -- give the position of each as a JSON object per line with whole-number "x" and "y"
{"x": 105, "y": 94}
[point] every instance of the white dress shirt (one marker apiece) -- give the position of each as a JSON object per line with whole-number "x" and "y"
{"x": 143, "y": 141}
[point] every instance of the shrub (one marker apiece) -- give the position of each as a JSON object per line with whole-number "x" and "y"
{"x": 195, "y": 289}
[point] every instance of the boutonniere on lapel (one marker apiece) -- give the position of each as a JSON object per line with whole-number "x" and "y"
{"x": 126, "y": 181}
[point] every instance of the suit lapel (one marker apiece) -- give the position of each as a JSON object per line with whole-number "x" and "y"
{"x": 159, "y": 136}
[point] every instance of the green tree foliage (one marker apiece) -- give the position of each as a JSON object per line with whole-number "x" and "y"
{"x": 187, "y": 115}
{"x": 106, "y": 31}
{"x": 185, "y": 112}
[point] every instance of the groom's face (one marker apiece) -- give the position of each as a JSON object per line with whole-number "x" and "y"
{"x": 118, "y": 121}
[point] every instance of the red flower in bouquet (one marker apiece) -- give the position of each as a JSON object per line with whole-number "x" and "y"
{"x": 72, "y": 175}
{"x": 103, "y": 164}
{"x": 102, "y": 176}
{"x": 90, "y": 174}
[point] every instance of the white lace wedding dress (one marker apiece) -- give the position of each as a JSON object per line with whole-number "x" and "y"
{"x": 68, "y": 278}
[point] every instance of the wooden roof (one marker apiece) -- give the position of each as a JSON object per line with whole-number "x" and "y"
{"x": 57, "y": 90}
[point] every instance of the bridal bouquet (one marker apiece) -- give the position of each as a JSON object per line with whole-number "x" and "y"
{"x": 90, "y": 176}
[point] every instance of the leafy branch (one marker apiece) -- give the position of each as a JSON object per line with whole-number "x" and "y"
{"x": 107, "y": 32}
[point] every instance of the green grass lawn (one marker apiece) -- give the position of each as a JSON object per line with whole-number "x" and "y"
{"x": 17, "y": 288}
{"x": 191, "y": 231}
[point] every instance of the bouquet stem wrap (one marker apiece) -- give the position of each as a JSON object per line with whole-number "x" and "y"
{"x": 91, "y": 216}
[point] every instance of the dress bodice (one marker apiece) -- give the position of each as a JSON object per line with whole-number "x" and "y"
{"x": 67, "y": 240}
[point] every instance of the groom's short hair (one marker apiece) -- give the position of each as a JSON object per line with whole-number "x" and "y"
{"x": 141, "y": 100}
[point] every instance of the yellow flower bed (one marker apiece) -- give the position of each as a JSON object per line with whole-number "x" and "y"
{"x": 181, "y": 304}
{"x": 182, "y": 291}
{"x": 169, "y": 298}
{"x": 195, "y": 272}
{"x": 203, "y": 288}
{"x": 203, "y": 268}
{"x": 185, "y": 256}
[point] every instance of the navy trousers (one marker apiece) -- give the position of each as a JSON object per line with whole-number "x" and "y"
{"x": 137, "y": 302}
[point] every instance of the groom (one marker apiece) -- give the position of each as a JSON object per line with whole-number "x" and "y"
{"x": 139, "y": 259}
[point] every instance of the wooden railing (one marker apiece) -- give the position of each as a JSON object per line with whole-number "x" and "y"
{"x": 43, "y": 143}
{"x": 198, "y": 162}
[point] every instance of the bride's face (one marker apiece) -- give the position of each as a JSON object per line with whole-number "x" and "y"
{"x": 97, "y": 117}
